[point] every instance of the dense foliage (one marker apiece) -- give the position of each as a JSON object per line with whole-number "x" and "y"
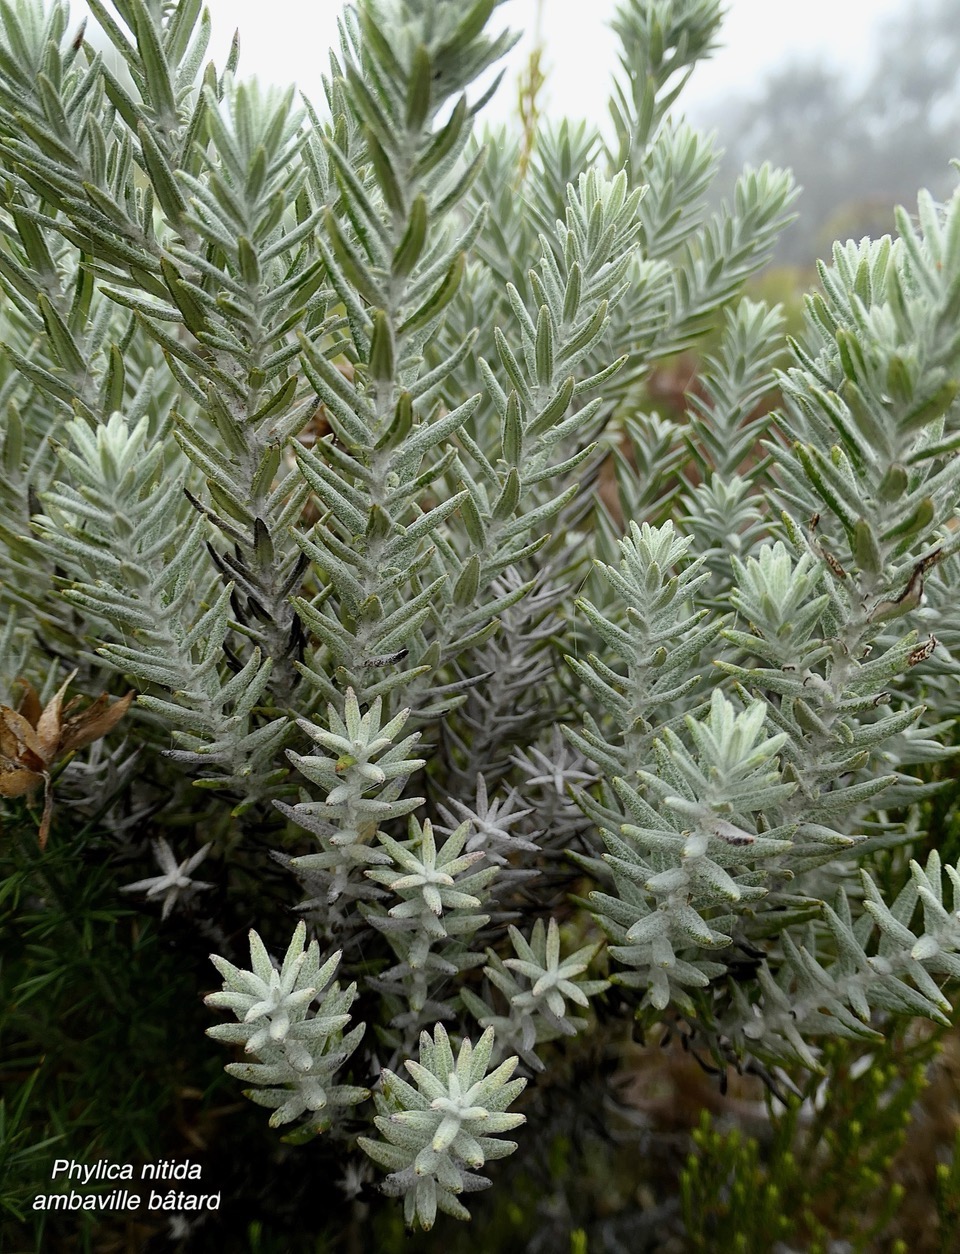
{"x": 309, "y": 419}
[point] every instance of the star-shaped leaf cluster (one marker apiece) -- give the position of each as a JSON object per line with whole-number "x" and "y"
{"x": 298, "y": 1052}
{"x": 437, "y": 1134}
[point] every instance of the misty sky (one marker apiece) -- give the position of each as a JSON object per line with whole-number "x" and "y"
{"x": 285, "y": 41}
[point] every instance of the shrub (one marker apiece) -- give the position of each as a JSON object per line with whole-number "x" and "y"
{"x": 305, "y": 413}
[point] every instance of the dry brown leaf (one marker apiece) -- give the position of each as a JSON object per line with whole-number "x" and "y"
{"x": 49, "y": 722}
{"x": 29, "y": 706}
{"x": 9, "y": 744}
{"x": 17, "y": 780}
{"x": 47, "y": 817}
{"x": 24, "y": 735}
{"x": 96, "y": 721}
{"x": 32, "y": 739}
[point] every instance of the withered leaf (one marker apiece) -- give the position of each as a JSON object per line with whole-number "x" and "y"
{"x": 731, "y": 834}
{"x": 25, "y": 738}
{"x": 49, "y": 723}
{"x": 33, "y": 738}
{"x": 29, "y": 706}
{"x": 922, "y": 651}
{"x": 96, "y": 721}
{"x": 17, "y": 780}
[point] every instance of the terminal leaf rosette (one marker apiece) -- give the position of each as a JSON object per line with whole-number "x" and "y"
{"x": 297, "y": 1052}
{"x": 437, "y": 1134}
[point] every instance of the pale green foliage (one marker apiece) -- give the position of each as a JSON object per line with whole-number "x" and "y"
{"x": 427, "y": 885}
{"x": 658, "y": 643}
{"x": 695, "y": 851}
{"x": 438, "y": 1134}
{"x": 298, "y": 1052}
{"x": 538, "y": 984}
{"x": 176, "y": 883}
{"x": 734, "y": 380}
{"x": 430, "y": 928}
{"x": 362, "y": 758}
{"x": 122, "y": 528}
{"x": 303, "y": 409}
{"x": 880, "y": 963}
{"x": 821, "y": 655}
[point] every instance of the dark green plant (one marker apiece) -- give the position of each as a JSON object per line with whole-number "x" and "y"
{"x": 823, "y": 1172}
